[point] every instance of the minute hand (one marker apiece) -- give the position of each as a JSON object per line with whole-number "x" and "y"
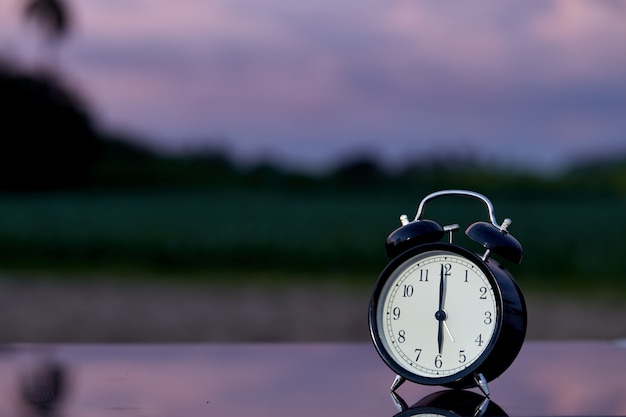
{"x": 440, "y": 315}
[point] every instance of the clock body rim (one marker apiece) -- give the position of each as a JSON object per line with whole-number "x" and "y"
{"x": 508, "y": 334}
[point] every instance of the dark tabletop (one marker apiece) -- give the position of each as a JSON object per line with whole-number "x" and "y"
{"x": 547, "y": 379}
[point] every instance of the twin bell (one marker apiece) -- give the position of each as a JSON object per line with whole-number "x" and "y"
{"x": 493, "y": 237}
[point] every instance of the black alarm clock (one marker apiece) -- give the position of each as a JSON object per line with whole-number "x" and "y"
{"x": 441, "y": 314}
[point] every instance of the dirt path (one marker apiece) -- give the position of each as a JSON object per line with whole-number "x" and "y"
{"x": 40, "y": 311}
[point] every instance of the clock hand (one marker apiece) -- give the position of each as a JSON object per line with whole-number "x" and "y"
{"x": 445, "y": 326}
{"x": 440, "y": 315}
{"x": 442, "y": 289}
{"x": 440, "y": 336}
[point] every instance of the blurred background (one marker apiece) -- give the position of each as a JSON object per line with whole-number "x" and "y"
{"x": 228, "y": 170}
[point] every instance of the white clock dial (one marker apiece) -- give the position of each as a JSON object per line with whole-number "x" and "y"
{"x": 437, "y": 314}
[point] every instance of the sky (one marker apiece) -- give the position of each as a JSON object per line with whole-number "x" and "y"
{"x": 309, "y": 83}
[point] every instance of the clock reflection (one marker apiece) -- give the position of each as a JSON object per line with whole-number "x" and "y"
{"x": 449, "y": 403}
{"x": 42, "y": 388}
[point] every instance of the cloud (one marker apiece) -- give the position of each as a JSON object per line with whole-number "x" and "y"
{"x": 402, "y": 74}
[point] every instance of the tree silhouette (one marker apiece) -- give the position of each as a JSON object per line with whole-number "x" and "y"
{"x": 51, "y": 15}
{"x": 47, "y": 137}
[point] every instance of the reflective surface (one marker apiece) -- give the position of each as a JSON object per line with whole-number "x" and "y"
{"x": 565, "y": 378}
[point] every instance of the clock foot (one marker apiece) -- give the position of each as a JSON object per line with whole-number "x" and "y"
{"x": 400, "y": 404}
{"x": 397, "y": 382}
{"x": 482, "y": 407}
{"x": 481, "y": 382}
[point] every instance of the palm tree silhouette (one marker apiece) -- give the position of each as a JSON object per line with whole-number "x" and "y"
{"x": 51, "y": 15}
{"x": 58, "y": 144}
{"x": 52, "y": 18}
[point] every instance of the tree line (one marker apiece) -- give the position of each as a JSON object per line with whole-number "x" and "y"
{"x": 49, "y": 141}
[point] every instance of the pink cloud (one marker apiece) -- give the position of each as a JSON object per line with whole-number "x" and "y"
{"x": 278, "y": 72}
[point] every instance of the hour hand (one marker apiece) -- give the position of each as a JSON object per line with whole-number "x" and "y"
{"x": 440, "y": 315}
{"x": 440, "y": 336}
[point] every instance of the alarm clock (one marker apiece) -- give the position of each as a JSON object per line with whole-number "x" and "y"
{"x": 442, "y": 314}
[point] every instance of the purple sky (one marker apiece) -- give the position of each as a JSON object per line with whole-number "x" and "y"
{"x": 308, "y": 82}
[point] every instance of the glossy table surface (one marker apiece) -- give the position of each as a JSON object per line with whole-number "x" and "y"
{"x": 548, "y": 378}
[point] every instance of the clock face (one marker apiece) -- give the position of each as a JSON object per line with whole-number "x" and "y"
{"x": 436, "y": 315}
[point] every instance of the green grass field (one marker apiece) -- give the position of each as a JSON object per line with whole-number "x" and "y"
{"x": 568, "y": 242}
